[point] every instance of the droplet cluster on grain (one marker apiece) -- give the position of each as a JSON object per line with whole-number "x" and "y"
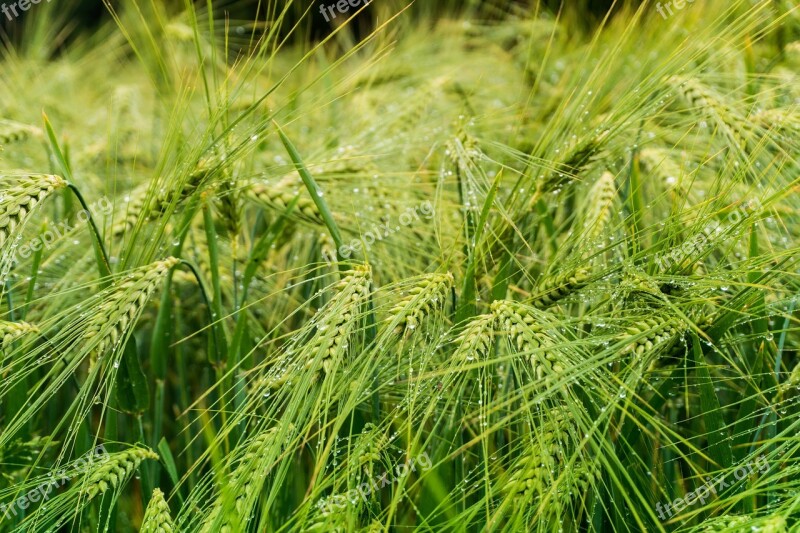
{"x": 121, "y": 305}
{"x": 648, "y": 334}
{"x": 19, "y": 196}
{"x": 14, "y": 132}
{"x": 115, "y": 471}
{"x": 157, "y": 518}
{"x": 279, "y": 196}
{"x": 11, "y": 331}
{"x": 338, "y": 319}
{"x": 554, "y": 288}
{"x": 418, "y": 301}
{"x": 528, "y": 337}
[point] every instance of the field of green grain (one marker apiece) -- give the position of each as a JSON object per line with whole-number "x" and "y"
{"x": 463, "y": 266}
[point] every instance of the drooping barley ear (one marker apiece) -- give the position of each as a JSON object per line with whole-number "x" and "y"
{"x": 115, "y": 471}
{"x": 327, "y": 247}
{"x": 334, "y": 324}
{"x": 575, "y": 160}
{"x": 742, "y": 523}
{"x": 19, "y": 196}
{"x": 600, "y": 204}
{"x": 526, "y": 335}
{"x": 14, "y": 132}
{"x": 539, "y": 467}
{"x": 157, "y": 518}
{"x": 660, "y": 164}
{"x": 245, "y": 484}
{"x": 280, "y": 195}
{"x": 463, "y": 151}
{"x": 143, "y": 204}
{"x": 475, "y": 341}
{"x": 418, "y": 301}
{"x": 134, "y": 207}
{"x": 11, "y": 331}
{"x": 555, "y": 288}
{"x": 648, "y": 334}
{"x": 713, "y": 106}
{"x": 337, "y": 319}
{"x": 368, "y": 450}
{"x": 121, "y": 305}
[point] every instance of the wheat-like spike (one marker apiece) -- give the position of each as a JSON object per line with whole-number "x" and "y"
{"x": 12, "y": 132}
{"x": 660, "y": 164}
{"x": 122, "y": 305}
{"x": 115, "y": 471}
{"x": 243, "y": 482}
{"x": 11, "y": 331}
{"x": 476, "y": 340}
{"x": 144, "y": 205}
{"x": 463, "y": 151}
{"x": 745, "y": 524}
{"x": 600, "y": 203}
{"x": 712, "y": 105}
{"x": 536, "y": 471}
{"x": 575, "y": 160}
{"x": 133, "y": 208}
{"x": 526, "y": 336}
{"x": 157, "y": 518}
{"x": 555, "y": 288}
{"x": 336, "y": 320}
{"x": 281, "y": 195}
{"x": 332, "y": 521}
{"x": 334, "y": 324}
{"x": 19, "y": 196}
{"x": 419, "y": 301}
{"x": 367, "y": 450}
{"x": 650, "y": 333}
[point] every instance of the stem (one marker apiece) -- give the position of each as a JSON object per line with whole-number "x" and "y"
{"x": 103, "y": 263}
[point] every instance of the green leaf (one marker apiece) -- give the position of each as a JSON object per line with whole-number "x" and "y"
{"x": 716, "y": 431}
{"x": 132, "y": 391}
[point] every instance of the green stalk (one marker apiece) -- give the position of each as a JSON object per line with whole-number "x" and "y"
{"x": 313, "y": 189}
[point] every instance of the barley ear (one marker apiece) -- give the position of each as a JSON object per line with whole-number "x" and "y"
{"x": 157, "y": 517}
{"x": 19, "y": 196}
{"x": 115, "y": 471}
{"x": 648, "y": 334}
{"x": 476, "y": 340}
{"x": 528, "y": 337}
{"x": 555, "y": 288}
{"x": 338, "y": 319}
{"x": 14, "y": 132}
{"x": 419, "y": 301}
{"x": 278, "y": 197}
{"x": 600, "y": 203}
{"x": 11, "y": 331}
{"x": 121, "y": 305}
